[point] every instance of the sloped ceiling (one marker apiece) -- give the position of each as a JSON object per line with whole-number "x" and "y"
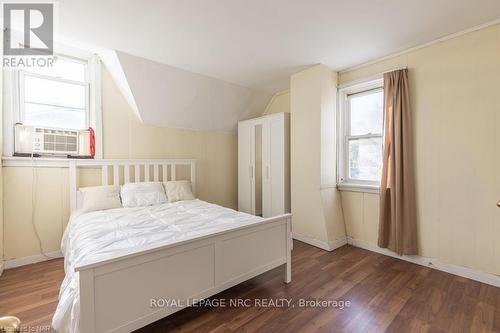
{"x": 166, "y": 96}
{"x": 114, "y": 67}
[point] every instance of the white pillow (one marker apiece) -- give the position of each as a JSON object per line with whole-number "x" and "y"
{"x": 99, "y": 198}
{"x": 178, "y": 190}
{"x": 142, "y": 194}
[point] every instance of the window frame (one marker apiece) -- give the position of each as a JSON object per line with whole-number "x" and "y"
{"x": 13, "y": 102}
{"x": 22, "y": 101}
{"x": 344, "y": 182}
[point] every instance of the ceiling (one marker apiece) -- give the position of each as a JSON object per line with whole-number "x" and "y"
{"x": 260, "y": 43}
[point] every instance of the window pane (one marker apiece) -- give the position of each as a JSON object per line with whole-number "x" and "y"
{"x": 62, "y": 68}
{"x": 43, "y": 91}
{"x": 367, "y": 113}
{"x": 53, "y": 116}
{"x": 365, "y": 159}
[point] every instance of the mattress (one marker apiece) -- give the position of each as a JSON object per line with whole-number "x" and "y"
{"x": 112, "y": 233}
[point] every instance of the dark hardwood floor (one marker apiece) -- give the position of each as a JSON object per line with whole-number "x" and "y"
{"x": 385, "y": 295}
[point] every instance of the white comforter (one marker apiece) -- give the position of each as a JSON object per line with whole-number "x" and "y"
{"x": 111, "y": 233}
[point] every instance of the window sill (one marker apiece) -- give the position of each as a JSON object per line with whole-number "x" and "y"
{"x": 41, "y": 162}
{"x": 359, "y": 188}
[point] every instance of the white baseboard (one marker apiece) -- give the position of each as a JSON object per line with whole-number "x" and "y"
{"x": 462, "y": 271}
{"x": 327, "y": 246}
{"x": 32, "y": 259}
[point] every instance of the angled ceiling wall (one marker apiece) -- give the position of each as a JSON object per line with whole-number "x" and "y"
{"x": 166, "y": 96}
{"x": 115, "y": 69}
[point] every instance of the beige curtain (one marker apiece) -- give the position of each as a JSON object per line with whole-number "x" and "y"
{"x": 397, "y": 226}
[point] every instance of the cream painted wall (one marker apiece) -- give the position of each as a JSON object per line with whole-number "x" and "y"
{"x": 124, "y": 136}
{"x": 51, "y": 209}
{"x": 315, "y": 201}
{"x": 454, "y": 87}
{"x": 280, "y": 102}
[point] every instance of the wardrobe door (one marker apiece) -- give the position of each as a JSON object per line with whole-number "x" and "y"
{"x": 267, "y": 189}
{"x": 277, "y": 166}
{"x": 258, "y": 167}
{"x": 245, "y": 168}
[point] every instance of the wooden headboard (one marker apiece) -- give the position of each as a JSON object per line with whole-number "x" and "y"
{"x": 143, "y": 170}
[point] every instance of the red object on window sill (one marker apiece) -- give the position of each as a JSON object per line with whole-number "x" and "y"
{"x": 92, "y": 142}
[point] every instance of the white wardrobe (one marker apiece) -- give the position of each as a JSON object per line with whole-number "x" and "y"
{"x": 264, "y": 165}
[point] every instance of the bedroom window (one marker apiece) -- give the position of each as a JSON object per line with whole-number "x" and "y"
{"x": 55, "y": 97}
{"x": 361, "y": 136}
{"x": 66, "y": 95}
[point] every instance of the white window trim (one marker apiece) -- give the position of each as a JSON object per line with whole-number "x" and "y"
{"x": 11, "y": 98}
{"x": 343, "y": 181}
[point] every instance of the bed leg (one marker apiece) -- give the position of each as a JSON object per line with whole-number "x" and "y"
{"x": 288, "y": 265}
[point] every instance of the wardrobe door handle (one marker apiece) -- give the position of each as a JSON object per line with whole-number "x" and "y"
{"x": 498, "y": 203}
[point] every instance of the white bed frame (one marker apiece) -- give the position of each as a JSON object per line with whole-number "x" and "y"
{"x": 116, "y": 294}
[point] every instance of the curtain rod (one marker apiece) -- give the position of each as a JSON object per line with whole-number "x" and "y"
{"x": 372, "y": 77}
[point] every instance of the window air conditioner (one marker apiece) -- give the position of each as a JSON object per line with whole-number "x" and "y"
{"x": 36, "y": 141}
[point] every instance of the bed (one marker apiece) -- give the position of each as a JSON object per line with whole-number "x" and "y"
{"x": 119, "y": 262}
